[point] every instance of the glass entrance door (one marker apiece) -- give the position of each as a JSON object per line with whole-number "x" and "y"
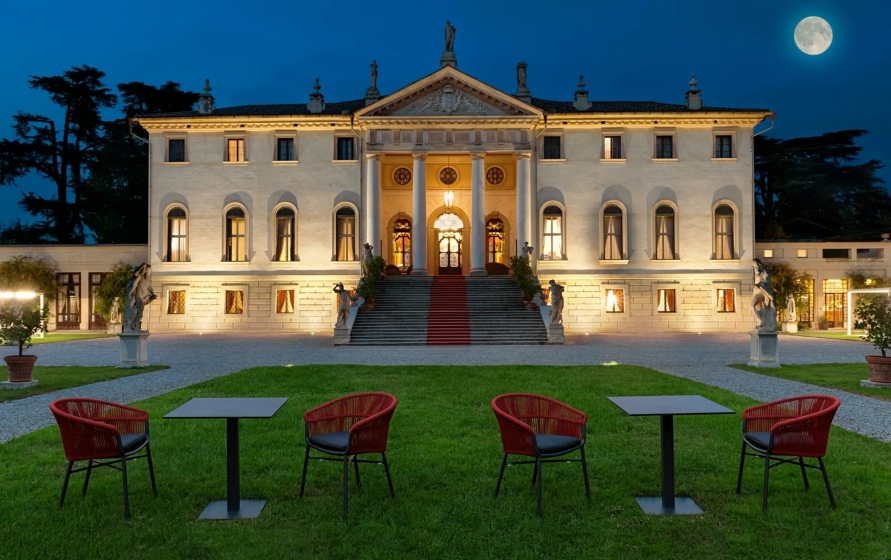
{"x": 449, "y": 237}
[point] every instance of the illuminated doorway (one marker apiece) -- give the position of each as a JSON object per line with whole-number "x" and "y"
{"x": 449, "y": 236}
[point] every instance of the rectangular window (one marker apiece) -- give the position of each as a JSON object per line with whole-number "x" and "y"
{"x": 665, "y": 147}
{"x": 285, "y": 149}
{"x": 345, "y": 149}
{"x": 96, "y": 320}
{"x": 666, "y": 302}
{"x": 768, "y": 253}
{"x": 836, "y": 254}
{"x": 615, "y": 301}
{"x": 726, "y": 301}
{"x": 68, "y": 301}
{"x": 234, "y": 302}
{"x": 176, "y": 150}
{"x": 835, "y": 293}
{"x": 553, "y": 238}
{"x": 552, "y": 147}
{"x": 723, "y": 147}
{"x": 176, "y": 302}
{"x": 284, "y": 301}
{"x": 346, "y": 234}
{"x": 235, "y": 149}
{"x": 802, "y": 253}
{"x": 612, "y": 147}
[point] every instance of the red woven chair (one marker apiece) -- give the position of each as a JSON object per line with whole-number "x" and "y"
{"x": 350, "y": 426}
{"x": 796, "y": 428}
{"x": 95, "y": 431}
{"x": 536, "y": 426}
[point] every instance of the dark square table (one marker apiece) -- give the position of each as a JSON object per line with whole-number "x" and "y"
{"x": 667, "y": 407}
{"x": 233, "y": 507}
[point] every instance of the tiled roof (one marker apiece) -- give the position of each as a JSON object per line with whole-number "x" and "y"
{"x": 632, "y": 107}
{"x": 268, "y": 110}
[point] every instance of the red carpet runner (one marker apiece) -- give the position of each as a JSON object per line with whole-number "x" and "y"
{"x": 449, "y": 321}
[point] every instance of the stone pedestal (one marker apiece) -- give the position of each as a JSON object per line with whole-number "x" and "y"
{"x": 17, "y": 385}
{"x": 341, "y": 335}
{"x": 112, "y": 328}
{"x": 874, "y": 385}
{"x": 555, "y": 334}
{"x": 790, "y": 327}
{"x": 134, "y": 348}
{"x": 763, "y": 349}
{"x": 448, "y": 59}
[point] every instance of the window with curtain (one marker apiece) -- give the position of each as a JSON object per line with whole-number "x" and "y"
{"x": 726, "y": 301}
{"x": 666, "y": 302}
{"x": 285, "y": 235}
{"x": 345, "y": 149}
{"x": 665, "y": 233}
{"x": 176, "y": 150}
{"x": 724, "y": 233}
{"x": 612, "y": 147}
{"x": 284, "y": 301}
{"x": 345, "y": 242}
{"x": 551, "y": 145}
{"x": 176, "y": 302}
{"x": 495, "y": 241}
{"x": 236, "y": 235}
{"x": 235, "y": 149}
{"x": 615, "y": 300}
{"x": 612, "y": 234}
{"x": 176, "y": 235}
{"x": 553, "y": 234}
{"x": 234, "y": 302}
{"x": 402, "y": 243}
{"x": 285, "y": 149}
{"x": 664, "y": 147}
{"x": 723, "y": 146}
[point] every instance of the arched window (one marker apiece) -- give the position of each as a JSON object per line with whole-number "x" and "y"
{"x": 664, "y": 228}
{"x": 345, "y": 234}
{"x": 553, "y": 233}
{"x": 285, "y": 234}
{"x": 177, "y": 247}
{"x": 236, "y": 235}
{"x": 402, "y": 243}
{"x": 613, "y": 241}
{"x": 724, "y": 248}
{"x": 495, "y": 240}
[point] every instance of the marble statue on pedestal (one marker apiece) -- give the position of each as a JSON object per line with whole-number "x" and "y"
{"x": 527, "y": 251}
{"x": 556, "y": 295}
{"x": 792, "y": 312}
{"x": 366, "y": 257}
{"x": 115, "y": 317}
{"x": 450, "y": 37}
{"x": 344, "y": 303}
{"x": 373, "y": 74}
{"x": 763, "y": 305}
{"x": 521, "y": 76}
{"x": 139, "y": 294}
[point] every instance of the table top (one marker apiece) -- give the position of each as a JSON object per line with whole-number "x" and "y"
{"x": 228, "y": 408}
{"x": 664, "y": 405}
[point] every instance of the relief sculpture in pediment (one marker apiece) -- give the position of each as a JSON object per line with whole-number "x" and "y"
{"x": 449, "y": 100}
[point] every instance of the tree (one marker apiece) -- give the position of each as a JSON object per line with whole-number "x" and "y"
{"x": 811, "y": 188}
{"x": 113, "y": 287}
{"x": 24, "y": 273}
{"x": 784, "y": 280}
{"x": 64, "y": 156}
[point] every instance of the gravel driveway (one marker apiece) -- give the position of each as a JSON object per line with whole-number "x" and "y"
{"x": 196, "y": 358}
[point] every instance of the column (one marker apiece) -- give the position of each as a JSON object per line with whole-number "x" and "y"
{"x": 373, "y": 203}
{"x": 478, "y": 214}
{"x": 419, "y": 215}
{"x": 524, "y": 210}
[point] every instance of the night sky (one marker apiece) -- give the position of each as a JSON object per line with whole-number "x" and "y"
{"x": 742, "y": 52}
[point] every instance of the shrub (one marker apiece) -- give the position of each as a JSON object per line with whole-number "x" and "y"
{"x": 112, "y": 287}
{"x": 25, "y": 273}
{"x": 371, "y": 282}
{"x": 874, "y": 316}
{"x": 785, "y": 280}
{"x": 526, "y": 280}
{"x": 19, "y": 322}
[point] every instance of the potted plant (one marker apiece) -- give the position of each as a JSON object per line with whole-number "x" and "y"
{"x": 526, "y": 280}
{"x": 370, "y": 283}
{"x": 874, "y": 317}
{"x": 18, "y": 323}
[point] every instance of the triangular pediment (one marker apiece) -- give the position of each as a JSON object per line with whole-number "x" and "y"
{"x": 448, "y": 92}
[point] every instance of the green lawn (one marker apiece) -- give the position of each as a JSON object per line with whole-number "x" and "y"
{"x": 68, "y": 337}
{"x": 444, "y": 454}
{"x": 833, "y": 335}
{"x": 845, "y": 377}
{"x": 53, "y": 378}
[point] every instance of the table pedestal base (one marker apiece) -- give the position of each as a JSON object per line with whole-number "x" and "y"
{"x": 248, "y": 509}
{"x": 682, "y": 506}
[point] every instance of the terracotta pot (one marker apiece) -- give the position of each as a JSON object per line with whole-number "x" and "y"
{"x": 879, "y": 369}
{"x": 20, "y": 368}
{"x": 368, "y": 305}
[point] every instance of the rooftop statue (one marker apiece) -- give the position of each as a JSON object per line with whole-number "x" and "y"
{"x": 450, "y": 37}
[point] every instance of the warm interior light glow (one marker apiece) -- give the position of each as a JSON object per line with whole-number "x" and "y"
{"x": 25, "y": 295}
{"x": 7, "y": 295}
{"x": 449, "y": 198}
{"x": 611, "y": 300}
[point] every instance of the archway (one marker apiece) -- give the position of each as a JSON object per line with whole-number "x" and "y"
{"x": 449, "y": 231}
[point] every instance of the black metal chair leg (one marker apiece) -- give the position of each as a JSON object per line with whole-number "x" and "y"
{"x": 826, "y": 480}
{"x": 87, "y": 478}
{"x": 500, "y": 475}
{"x": 585, "y": 471}
{"x": 346, "y": 483}
{"x": 807, "y": 486}
{"x": 766, "y": 481}
{"x": 356, "y": 465}
{"x": 534, "y": 473}
{"x": 303, "y": 478}
{"x": 538, "y": 476}
{"x": 387, "y": 470}
{"x": 148, "y": 455}
{"x": 126, "y": 492}
{"x": 742, "y": 461}
{"x": 65, "y": 484}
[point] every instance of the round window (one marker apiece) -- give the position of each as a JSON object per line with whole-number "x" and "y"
{"x": 402, "y": 176}
{"x": 448, "y": 176}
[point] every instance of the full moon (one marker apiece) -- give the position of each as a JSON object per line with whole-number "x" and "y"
{"x": 813, "y": 35}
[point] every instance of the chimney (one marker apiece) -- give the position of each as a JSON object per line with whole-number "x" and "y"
{"x": 693, "y": 97}
{"x": 581, "y": 102}
{"x": 316, "y": 100}
{"x": 205, "y": 100}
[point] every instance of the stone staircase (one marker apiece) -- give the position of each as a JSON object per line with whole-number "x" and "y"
{"x": 417, "y": 310}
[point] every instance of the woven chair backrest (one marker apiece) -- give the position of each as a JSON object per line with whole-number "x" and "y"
{"x": 84, "y": 436}
{"x": 807, "y": 434}
{"x": 520, "y": 416}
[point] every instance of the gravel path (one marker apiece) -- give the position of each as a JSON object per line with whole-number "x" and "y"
{"x": 197, "y": 358}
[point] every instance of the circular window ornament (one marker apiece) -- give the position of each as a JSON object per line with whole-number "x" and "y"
{"x": 494, "y": 175}
{"x": 448, "y": 176}
{"x": 402, "y": 176}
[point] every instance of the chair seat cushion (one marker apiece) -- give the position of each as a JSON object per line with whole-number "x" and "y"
{"x": 132, "y": 442}
{"x": 548, "y": 443}
{"x": 335, "y": 441}
{"x": 758, "y": 440}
